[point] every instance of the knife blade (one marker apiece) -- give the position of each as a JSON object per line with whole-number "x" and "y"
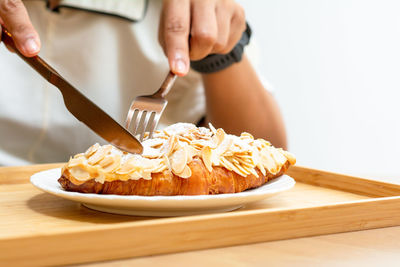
{"x": 81, "y": 107}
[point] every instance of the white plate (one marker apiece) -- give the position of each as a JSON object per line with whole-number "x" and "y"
{"x": 161, "y": 205}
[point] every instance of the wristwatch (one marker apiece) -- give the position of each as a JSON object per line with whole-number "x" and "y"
{"x": 216, "y": 62}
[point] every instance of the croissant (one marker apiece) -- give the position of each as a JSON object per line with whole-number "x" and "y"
{"x": 182, "y": 159}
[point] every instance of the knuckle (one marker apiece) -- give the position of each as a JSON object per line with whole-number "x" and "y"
{"x": 240, "y": 11}
{"x": 176, "y": 26}
{"x": 10, "y": 6}
{"x": 226, "y": 50}
{"x": 20, "y": 28}
{"x": 196, "y": 56}
{"x": 239, "y": 15}
{"x": 219, "y": 46}
{"x": 205, "y": 37}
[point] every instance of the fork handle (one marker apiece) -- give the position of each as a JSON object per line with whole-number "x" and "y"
{"x": 166, "y": 85}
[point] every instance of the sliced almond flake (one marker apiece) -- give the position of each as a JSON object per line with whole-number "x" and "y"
{"x": 203, "y": 143}
{"x": 220, "y": 150}
{"x": 246, "y": 163}
{"x": 228, "y": 153}
{"x": 147, "y": 165}
{"x": 290, "y": 157}
{"x": 261, "y": 168}
{"x": 206, "y": 157}
{"x": 154, "y": 142}
{"x": 255, "y": 156}
{"x": 153, "y": 156}
{"x": 243, "y": 170}
{"x": 161, "y": 136}
{"x": 253, "y": 171}
{"x": 264, "y": 142}
{"x": 212, "y": 128}
{"x": 91, "y": 150}
{"x": 227, "y": 164}
{"x": 146, "y": 175}
{"x": 166, "y": 133}
{"x": 178, "y": 160}
{"x": 106, "y": 161}
{"x": 224, "y": 146}
{"x": 135, "y": 175}
{"x": 100, "y": 177}
{"x": 167, "y": 162}
{"x": 191, "y": 152}
{"x": 76, "y": 161}
{"x": 126, "y": 167}
{"x": 160, "y": 168}
{"x": 110, "y": 163}
{"x": 121, "y": 177}
{"x": 158, "y": 146}
{"x": 179, "y": 128}
{"x": 172, "y": 145}
{"x": 268, "y": 161}
{"x": 198, "y": 148}
{"x": 219, "y": 137}
{"x": 184, "y": 139}
{"x": 239, "y": 171}
{"x": 157, "y": 165}
{"x": 151, "y": 153}
{"x": 99, "y": 154}
{"x": 244, "y": 155}
{"x": 278, "y": 156}
{"x": 186, "y": 173}
{"x": 233, "y": 160}
{"x": 245, "y": 135}
{"x": 204, "y": 131}
{"x": 79, "y": 173}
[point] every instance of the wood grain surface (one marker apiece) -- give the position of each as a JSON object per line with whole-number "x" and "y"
{"x": 38, "y": 228}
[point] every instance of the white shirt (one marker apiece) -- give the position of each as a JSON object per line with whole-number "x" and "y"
{"x": 109, "y": 50}
{"x": 109, "y": 59}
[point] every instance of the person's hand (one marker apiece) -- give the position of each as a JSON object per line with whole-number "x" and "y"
{"x": 214, "y": 27}
{"x": 14, "y": 17}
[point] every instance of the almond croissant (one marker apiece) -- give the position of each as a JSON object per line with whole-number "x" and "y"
{"x": 180, "y": 160}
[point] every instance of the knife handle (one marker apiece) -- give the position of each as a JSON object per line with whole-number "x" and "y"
{"x": 35, "y": 62}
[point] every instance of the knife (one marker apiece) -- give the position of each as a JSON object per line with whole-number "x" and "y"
{"x": 81, "y": 107}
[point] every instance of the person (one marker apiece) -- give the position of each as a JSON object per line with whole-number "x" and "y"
{"x": 113, "y": 51}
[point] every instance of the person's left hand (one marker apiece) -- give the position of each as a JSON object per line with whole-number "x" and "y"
{"x": 214, "y": 27}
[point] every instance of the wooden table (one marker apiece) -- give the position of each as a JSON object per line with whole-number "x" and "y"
{"x": 379, "y": 247}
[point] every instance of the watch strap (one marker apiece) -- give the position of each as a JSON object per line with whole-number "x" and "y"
{"x": 216, "y": 62}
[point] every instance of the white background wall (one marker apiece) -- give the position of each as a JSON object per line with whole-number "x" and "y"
{"x": 335, "y": 66}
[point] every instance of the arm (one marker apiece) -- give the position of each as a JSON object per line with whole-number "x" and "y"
{"x": 237, "y": 102}
{"x": 236, "y": 99}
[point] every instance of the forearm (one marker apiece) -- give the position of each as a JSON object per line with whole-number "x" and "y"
{"x": 238, "y": 102}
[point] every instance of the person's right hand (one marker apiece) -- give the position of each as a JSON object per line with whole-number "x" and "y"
{"x": 14, "y": 17}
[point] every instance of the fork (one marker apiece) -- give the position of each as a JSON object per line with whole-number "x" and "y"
{"x": 145, "y": 111}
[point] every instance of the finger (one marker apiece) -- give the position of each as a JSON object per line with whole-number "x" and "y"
{"x": 224, "y": 23}
{"x": 204, "y": 29}
{"x": 8, "y": 48}
{"x": 17, "y": 21}
{"x": 238, "y": 26}
{"x": 175, "y": 23}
